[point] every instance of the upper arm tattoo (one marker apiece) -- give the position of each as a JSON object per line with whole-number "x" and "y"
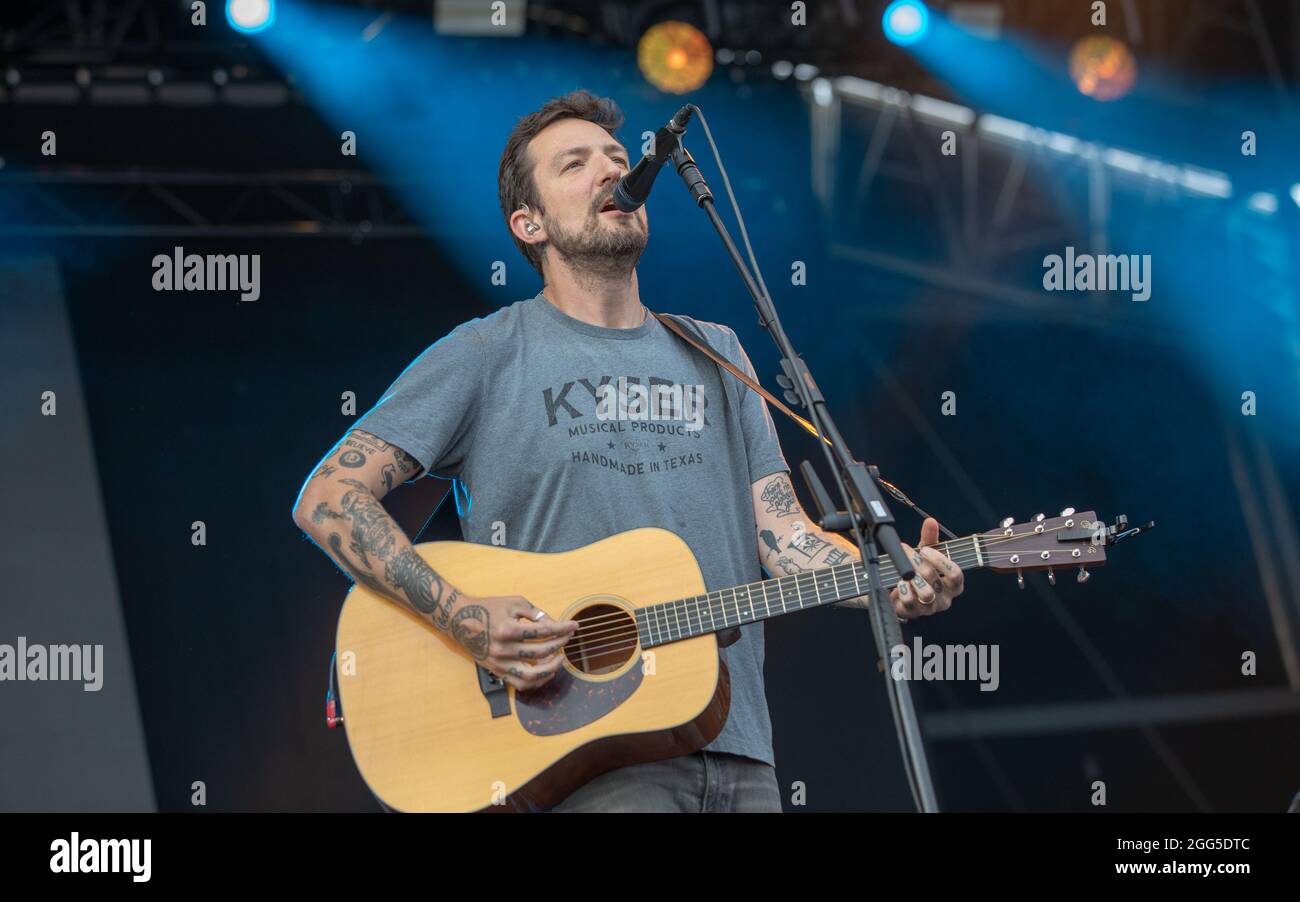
{"x": 359, "y": 449}
{"x": 364, "y": 443}
{"x": 325, "y": 470}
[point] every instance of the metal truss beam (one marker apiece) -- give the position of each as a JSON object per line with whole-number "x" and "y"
{"x": 291, "y": 204}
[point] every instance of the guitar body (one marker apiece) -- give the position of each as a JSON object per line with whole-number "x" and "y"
{"x": 421, "y": 728}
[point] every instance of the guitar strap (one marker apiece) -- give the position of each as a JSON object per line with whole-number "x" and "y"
{"x": 705, "y": 349}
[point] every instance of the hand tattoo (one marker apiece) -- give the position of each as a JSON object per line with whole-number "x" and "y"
{"x": 470, "y": 628}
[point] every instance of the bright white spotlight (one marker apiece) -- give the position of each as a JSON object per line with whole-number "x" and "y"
{"x": 905, "y": 21}
{"x": 250, "y": 16}
{"x": 1295, "y": 193}
{"x": 1263, "y": 202}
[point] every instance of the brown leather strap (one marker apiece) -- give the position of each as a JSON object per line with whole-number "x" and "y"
{"x": 738, "y": 373}
{"x": 744, "y": 377}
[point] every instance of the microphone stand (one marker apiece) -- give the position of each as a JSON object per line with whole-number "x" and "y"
{"x": 864, "y": 511}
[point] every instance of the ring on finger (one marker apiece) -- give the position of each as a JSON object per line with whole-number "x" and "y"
{"x": 920, "y": 581}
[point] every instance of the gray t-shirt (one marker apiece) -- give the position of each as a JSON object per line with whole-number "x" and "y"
{"x": 511, "y": 406}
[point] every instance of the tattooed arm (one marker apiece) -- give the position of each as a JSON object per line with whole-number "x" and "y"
{"x": 790, "y": 542}
{"x": 339, "y": 508}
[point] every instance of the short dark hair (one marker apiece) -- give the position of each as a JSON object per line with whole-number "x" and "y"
{"x": 515, "y": 183}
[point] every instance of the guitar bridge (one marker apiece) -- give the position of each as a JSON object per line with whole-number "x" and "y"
{"x": 495, "y": 691}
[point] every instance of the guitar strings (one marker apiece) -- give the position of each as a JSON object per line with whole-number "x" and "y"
{"x": 799, "y": 584}
{"x": 963, "y": 558}
{"x": 616, "y": 625}
{"x": 625, "y": 635}
{"x": 614, "y": 631}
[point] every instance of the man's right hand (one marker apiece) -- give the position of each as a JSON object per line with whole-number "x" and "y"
{"x": 511, "y": 637}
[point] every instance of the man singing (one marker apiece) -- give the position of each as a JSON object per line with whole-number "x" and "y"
{"x": 527, "y": 410}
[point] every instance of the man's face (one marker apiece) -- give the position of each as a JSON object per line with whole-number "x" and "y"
{"x": 577, "y": 166}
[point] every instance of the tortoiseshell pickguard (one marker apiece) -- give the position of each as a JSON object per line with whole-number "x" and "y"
{"x": 568, "y": 702}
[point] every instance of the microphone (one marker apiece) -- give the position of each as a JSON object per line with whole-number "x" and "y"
{"x": 633, "y": 189}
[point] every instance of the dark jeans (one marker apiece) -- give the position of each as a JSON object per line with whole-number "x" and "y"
{"x": 695, "y": 783}
{"x": 690, "y": 784}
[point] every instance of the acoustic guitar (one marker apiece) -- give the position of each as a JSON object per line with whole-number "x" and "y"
{"x": 642, "y": 680}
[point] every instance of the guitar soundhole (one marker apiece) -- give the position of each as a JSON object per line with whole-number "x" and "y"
{"x": 606, "y": 638}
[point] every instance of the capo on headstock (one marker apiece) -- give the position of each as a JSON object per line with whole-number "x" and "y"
{"x": 1110, "y": 535}
{"x": 1120, "y": 530}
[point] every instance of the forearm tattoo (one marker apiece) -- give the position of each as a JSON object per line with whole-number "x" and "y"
{"x": 361, "y": 576}
{"x": 374, "y": 536}
{"x": 805, "y": 549}
{"x": 372, "y": 527}
{"x": 787, "y": 566}
{"x": 416, "y": 578}
{"x": 779, "y": 497}
{"x": 809, "y": 545}
{"x": 442, "y": 616}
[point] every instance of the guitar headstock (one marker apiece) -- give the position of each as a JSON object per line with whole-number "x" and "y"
{"x": 1069, "y": 541}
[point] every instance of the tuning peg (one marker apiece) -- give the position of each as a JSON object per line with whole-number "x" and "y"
{"x": 1067, "y": 512}
{"x": 1039, "y": 518}
{"x": 1007, "y": 522}
{"x": 1020, "y": 578}
{"x": 1051, "y": 577}
{"x": 1083, "y": 575}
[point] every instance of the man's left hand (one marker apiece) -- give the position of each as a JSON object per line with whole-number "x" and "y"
{"x": 937, "y": 582}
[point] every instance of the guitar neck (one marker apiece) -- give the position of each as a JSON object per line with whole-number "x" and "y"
{"x": 686, "y": 618}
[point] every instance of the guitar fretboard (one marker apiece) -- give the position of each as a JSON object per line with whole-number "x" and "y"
{"x": 685, "y": 618}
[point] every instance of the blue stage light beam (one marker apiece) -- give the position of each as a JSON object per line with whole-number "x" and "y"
{"x": 250, "y": 16}
{"x": 433, "y": 112}
{"x": 905, "y": 21}
{"x": 1204, "y": 248}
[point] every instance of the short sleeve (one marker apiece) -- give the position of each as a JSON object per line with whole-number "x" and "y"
{"x": 761, "y": 442}
{"x": 429, "y": 409}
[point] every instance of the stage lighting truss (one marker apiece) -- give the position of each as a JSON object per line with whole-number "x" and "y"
{"x": 80, "y": 203}
{"x": 1014, "y": 189}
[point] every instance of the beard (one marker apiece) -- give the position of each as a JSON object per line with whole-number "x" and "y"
{"x": 599, "y": 249}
